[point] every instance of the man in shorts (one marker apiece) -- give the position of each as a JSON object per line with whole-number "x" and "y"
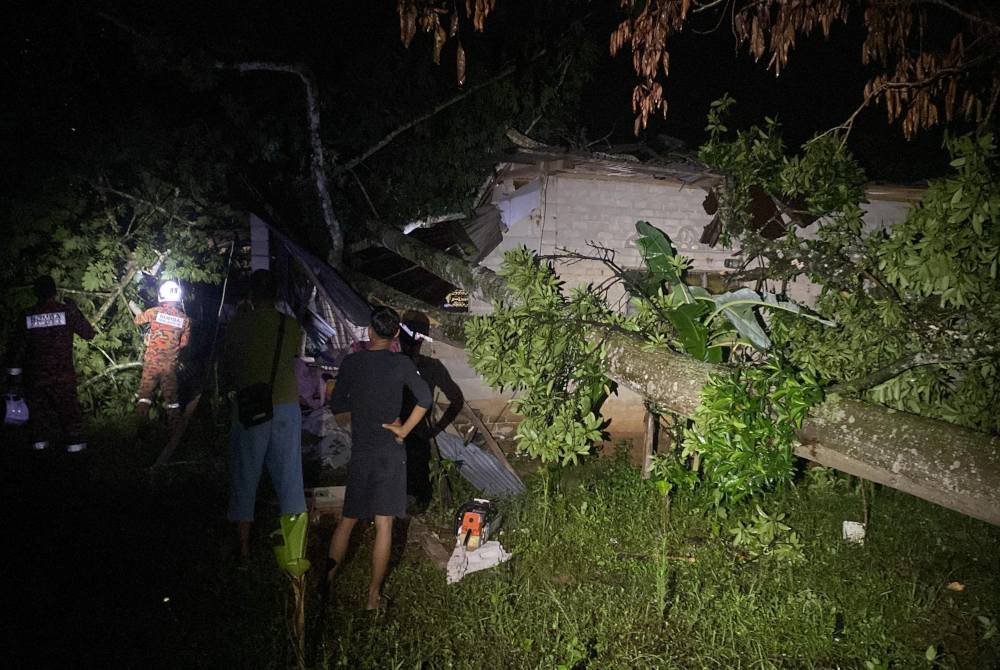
{"x": 370, "y": 385}
{"x": 248, "y": 355}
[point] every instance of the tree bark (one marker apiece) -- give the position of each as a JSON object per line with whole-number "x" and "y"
{"x": 130, "y": 269}
{"x": 946, "y": 464}
{"x": 446, "y": 327}
{"x": 481, "y": 283}
{"x": 317, "y": 162}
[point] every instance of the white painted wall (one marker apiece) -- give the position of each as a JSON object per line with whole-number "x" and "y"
{"x": 576, "y": 209}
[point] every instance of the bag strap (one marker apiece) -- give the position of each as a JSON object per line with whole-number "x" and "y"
{"x": 277, "y": 349}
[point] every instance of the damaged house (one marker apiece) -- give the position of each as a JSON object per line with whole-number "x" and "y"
{"x": 553, "y": 202}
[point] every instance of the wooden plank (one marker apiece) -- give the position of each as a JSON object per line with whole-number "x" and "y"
{"x": 649, "y": 444}
{"x": 491, "y": 443}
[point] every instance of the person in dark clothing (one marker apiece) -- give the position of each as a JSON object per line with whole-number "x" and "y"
{"x": 50, "y": 378}
{"x": 433, "y": 371}
{"x": 370, "y": 385}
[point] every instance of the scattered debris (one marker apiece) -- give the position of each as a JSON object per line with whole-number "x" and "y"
{"x": 333, "y": 448}
{"x": 482, "y": 469}
{"x": 428, "y": 540}
{"x": 854, "y": 531}
{"x": 324, "y": 500}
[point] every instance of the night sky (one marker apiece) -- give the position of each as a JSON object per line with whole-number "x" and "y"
{"x": 73, "y": 78}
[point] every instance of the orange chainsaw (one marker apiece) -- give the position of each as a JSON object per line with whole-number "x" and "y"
{"x": 476, "y": 521}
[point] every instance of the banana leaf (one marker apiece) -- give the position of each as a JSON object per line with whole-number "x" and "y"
{"x": 658, "y": 252}
{"x": 689, "y": 321}
{"x": 738, "y": 306}
{"x": 290, "y": 544}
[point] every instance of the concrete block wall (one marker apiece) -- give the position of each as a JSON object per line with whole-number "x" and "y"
{"x": 577, "y": 209}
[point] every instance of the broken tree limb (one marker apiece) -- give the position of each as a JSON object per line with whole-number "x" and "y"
{"x": 481, "y": 283}
{"x": 317, "y": 162}
{"x": 946, "y": 464}
{"x": 949, "y": 465}
{"x": 112, "y": 370}
{"x": 177, "y": 433}
{"x": 446, "y": 327}
{"x": 130, "y": 269}
{"x": 440, "y": 107}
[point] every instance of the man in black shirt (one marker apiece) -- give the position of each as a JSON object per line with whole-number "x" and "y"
{"x": 370, "y": 385}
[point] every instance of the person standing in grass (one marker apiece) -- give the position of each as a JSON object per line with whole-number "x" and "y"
{"x": 248, "y": 357}
{"x": 370, "y": 385}
{"x": 46, "y": 339}
{"x": 169, "y": 332}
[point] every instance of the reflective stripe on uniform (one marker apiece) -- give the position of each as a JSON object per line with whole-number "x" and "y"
{"x": 145, "y": 401}
{"x": 48, "y": 320}
{"x": 174, "y": 405}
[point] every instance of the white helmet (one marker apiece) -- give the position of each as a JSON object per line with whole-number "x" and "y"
{"x": 170, "y": 291}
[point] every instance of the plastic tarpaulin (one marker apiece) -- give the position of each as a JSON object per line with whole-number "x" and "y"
{"x": 339, "y": 292}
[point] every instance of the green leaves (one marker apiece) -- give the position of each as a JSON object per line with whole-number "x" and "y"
{"x": 89, "y": 240}
{"x": 534, "y": 347}
{"x": 744, "y": 429}
{"x": 663, "y": 263}
{"x": 768, "y": 535}
{"x": 691, "y": 310}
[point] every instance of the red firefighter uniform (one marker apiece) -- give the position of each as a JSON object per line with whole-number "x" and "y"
{"x": 50, "y": 378}
{"x": 169, "y": 330}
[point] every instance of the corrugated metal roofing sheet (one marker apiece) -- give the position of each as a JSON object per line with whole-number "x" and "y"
{"x": 480, "y": 468}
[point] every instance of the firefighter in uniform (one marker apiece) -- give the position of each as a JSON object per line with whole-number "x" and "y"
{"x": 169, "y": 330}
{"x": 50, "y": 378}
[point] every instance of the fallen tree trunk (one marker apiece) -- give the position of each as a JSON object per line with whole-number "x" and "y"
{"x": 946, "y": 464}
{"x": 479, "y": 282}
{"x": 444, "y": 326}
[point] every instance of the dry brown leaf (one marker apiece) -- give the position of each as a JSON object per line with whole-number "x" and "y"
{"x": 955, "y": 586}
{"x": 440, "y": 37}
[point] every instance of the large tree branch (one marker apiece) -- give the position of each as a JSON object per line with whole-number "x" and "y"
{"x": 130, "y": 269}
{"x": 888, "y": 373}
{"x": 446, "y": 327}
{"x": 317, "y": 162}
{"x": 142, "y": 201}
{"x": 480, "y": 282}
{"x": 132, "y": 365}
{"x": 437, "y": 109}
{"x": 941, "y": 462}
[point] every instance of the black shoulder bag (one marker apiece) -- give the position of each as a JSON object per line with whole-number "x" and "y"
{"x": 254, "y": 403}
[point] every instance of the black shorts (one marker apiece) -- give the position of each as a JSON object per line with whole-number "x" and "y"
{"x": 376, "y": 484}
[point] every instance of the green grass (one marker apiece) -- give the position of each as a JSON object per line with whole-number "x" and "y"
{"x": 597, "y": 581}
{"x": 128, "y": 570}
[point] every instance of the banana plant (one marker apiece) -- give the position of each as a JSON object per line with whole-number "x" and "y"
{"x": 692, "y": 310}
